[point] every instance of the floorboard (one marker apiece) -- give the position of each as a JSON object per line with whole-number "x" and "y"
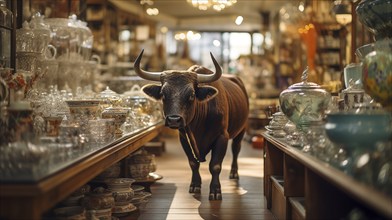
{"x": 242, "y": 199}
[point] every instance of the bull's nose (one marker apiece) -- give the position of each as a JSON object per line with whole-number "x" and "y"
{"x": 174, "y": 121}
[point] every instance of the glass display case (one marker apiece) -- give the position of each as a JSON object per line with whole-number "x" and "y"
{"x": 299, "y": 185}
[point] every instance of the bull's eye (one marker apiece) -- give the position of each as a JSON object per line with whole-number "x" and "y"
{"x": 192, "y": 97}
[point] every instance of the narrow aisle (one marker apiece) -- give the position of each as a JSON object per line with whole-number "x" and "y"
{"x": 242, "y": 199}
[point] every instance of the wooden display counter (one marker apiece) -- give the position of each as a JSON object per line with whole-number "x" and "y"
{"x": 299, "y": 186}
{"x": 30, "y": 200}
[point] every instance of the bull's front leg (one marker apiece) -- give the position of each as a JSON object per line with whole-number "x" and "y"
{"x": 195, "y": 186}
{"x": 218, "y": 153}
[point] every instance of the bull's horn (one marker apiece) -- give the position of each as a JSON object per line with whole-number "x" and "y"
{"x": 211, "y": 77}
{"x": 154, "y": 76}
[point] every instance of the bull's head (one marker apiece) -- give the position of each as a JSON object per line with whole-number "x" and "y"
{"x": 180, "y": 90}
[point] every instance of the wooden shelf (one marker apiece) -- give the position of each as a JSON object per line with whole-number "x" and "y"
{"x": 329, "y": 49}
{"x": 31, "y": 200}
{"x": 328, "y": 192}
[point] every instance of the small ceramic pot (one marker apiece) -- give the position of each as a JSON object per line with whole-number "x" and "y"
{"x": 53, "y": 125}
{"x": 99, "y": 198}
{"x": 140, "y": 170}
{"x": 352, "y": 96}
{"x": 121, "y": 190}
{"x": 119, "y": 115}
{"x": 142, "y": 156}
{"x": 88, "y": 107}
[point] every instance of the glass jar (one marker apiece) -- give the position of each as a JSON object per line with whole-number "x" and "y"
{"x": 304, "y": 102}
{"x": 24, "y": 38}
{"x": 376, "y": 16}
{"x": 109, "y": 98}
{"x": 41, "y": 33}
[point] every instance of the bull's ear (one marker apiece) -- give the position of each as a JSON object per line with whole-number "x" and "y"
{"x": 205, "y": 93}
{"x": 152, "y": 90}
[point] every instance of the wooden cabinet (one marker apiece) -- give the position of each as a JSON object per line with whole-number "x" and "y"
{"x": 29, "y": 200}
{"x": 299, "y": 186}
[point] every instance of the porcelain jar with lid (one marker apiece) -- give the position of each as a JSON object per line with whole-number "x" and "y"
{"x": 304, "y": 102}
{"x": 121, "y": 190}
{"x": 119, "y": 114}
{"x": 141, "y": 164}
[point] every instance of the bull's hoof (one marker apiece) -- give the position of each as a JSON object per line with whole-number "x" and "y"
{"x": 215, "y": 196}
{"x": 194, "y": 189}
{"x": 234, "y": 175}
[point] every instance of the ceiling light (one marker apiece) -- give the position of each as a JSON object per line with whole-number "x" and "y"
{"x": 217, "y": 5}
{"x": 147, "y": 5}
{"x": 146, "y": 2}
{"x": 301, "y": 6}
{"x": 189, "y": 35}
{"x": 152, "y": 11}
{"x": 125, "y": 35}
{"x": 238, "y": 20}
{"x": 216, "y": 43}
{"x": 164, "y": 29}
{"x": 342, "y": 12}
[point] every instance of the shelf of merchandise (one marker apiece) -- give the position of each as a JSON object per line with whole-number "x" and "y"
{"x": 29, "y": 200}
{"x": 324, "y": 191}
{"x": 331, "y": 43}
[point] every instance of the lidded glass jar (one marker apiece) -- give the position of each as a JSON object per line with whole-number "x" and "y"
{"x": 41, "y": 32}
{"x": 87, "y": 40}
{"x": 304, "y": 102}
{"x": 6, "y": 18}
{"x": 25, "y": 38}
{"x": 109, "y": 98}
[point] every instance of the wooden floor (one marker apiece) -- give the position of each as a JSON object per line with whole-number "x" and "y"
{"x": 242, "y": 200}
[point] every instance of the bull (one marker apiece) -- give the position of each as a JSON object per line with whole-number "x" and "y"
{"x": 208, "y": 110}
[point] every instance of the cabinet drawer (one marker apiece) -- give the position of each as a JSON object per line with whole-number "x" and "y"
{"x": 296, "y": 209}
{"x": 278, "y": 200}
